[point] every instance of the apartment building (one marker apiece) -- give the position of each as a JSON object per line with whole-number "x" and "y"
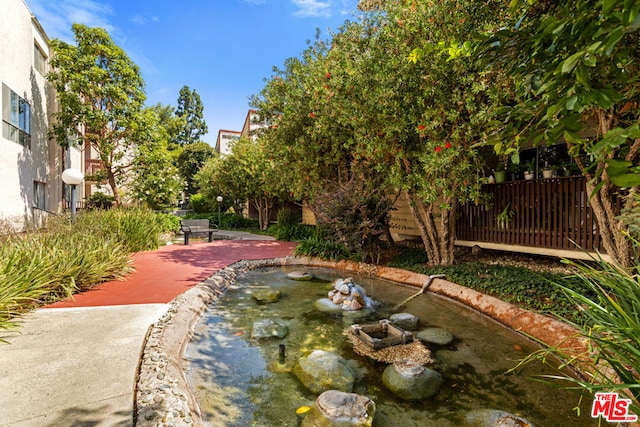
{"x": 225, "y": 140}
{"x": 31, "y": 164}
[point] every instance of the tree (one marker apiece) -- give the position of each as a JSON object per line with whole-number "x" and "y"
{"x": 190, "y": 160}
{"x": 100, "y": 93}
{"x": 306, "y": 135}
{"x": 257, "y": 175}
{"x": 191, "y": 121}
{"x": 155, "y": 179}
{"x": 575, "y": 70}
{"x": 171, "y": 123}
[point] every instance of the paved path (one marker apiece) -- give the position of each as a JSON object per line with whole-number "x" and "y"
{"x": 74, "y": 363}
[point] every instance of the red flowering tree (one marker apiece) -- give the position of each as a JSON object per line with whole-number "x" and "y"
{"x": 357, "y": 109}
{"x": 418, "y": 122}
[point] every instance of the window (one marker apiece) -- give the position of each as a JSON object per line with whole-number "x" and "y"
{"x": 16, "y": 118}
{"x": 39, "y": 191}
{"x": 39, "y": 60}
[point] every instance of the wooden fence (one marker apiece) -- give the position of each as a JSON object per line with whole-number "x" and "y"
{"x": 549, "y": 213}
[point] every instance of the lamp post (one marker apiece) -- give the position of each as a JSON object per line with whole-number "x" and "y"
{"x": 72, "y": 177}
{"x": 219, "y": 199}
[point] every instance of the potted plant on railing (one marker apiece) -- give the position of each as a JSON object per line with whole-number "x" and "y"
{"x": 547, "y": 171}
{"x": 501, "y": 172}
{"x": 530, "y": 170}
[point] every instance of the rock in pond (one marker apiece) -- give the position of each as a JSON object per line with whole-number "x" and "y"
{"x": 266, "y": 296}
{"x": 323, "y": 370}
{"x": 406, "y": 321}
{"x": 325, "y": 305}
{"x": 411, "y": 381}
{"x": 268, "y": 328}
{"x": 436, "y": 336}
{"x": 495, "y": 418}
{"x": 337, "y": 408}
{"x": 300, "y": 275}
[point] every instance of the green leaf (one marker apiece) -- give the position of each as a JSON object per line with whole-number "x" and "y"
{"x": 570, "y": 63}
{"x": 617, "y": 167}
{"x": 614, "y": 37}
{"x": 607, "y": 5}
{"x": 627, "y": 180}
{"x": 589, "y": 60}
{"x": 571, "y": 102}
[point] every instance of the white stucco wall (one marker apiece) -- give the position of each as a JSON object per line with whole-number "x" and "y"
{"x": 20, "y": 166}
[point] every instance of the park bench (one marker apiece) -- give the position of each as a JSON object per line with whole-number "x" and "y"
{"x": 193, "y": 226}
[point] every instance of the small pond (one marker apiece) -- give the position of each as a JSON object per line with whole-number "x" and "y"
{"x": 238, "y": 381}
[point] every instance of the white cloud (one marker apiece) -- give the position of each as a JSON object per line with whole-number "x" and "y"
{"x": 57, "y": 16}
{"x": 144, "y": 20}
{"x": 313, "y": 8}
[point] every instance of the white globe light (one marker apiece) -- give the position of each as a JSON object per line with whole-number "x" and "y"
{"x": 72, "y": 176}
{"x": 219, "y": 199}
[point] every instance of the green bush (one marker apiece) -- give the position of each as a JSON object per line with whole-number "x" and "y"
{"x": 610, "y": 301}
{"x": 99, "y": 201}
{"x": 294, "y": 233}
{"x": 136, "y": 229}
{"x": 168, "y": 223}
{"x": 323, "y": 249}
{"x": 287, "y": 217}
{"x": 199, "y": 204}
{"x": 44, "y": 266}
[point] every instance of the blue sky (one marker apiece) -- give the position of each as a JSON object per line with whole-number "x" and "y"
{"x": 221, "y": 48}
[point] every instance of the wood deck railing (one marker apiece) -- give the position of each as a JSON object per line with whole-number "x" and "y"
{"x": 551, "y": 213}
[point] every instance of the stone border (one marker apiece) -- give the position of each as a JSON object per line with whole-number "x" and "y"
{"x": 163, "y": 396}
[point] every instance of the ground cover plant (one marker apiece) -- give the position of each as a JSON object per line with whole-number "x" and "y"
{"x": 46, "y": 265}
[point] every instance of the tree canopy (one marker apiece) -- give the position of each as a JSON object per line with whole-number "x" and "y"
{"x": 574, "y": 70}
{"x": 100, "y": 92}
{"x": 189, "y": 112}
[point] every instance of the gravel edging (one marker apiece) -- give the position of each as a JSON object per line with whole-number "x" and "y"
{"x": 163, "y": 396}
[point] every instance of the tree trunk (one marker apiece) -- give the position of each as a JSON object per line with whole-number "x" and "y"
{"x": 111, "y": 179}
{"x": 438, "y": 244}
{"x": 613, "y": 231}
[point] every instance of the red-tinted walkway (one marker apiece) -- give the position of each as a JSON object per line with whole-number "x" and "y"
{"x": 163, "y": 274}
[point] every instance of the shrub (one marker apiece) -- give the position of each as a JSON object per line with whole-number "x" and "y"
{"x": 43, "y": 266}
{"x": 168, "y": 223}
{"x": 199, "y": 204}
{"x": 294, "y": 233}
{"x": 287, "y": 217}
{"x": 99, "y": 201}
{"x": 136, "y": 229}
{"x": 323, "y": 249}
{"x": 610, "y": 306}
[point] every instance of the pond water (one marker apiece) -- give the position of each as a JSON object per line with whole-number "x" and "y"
{"x": 238, "y": 381}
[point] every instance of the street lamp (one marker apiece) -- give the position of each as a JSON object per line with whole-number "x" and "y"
{"x": 219, "y": 199}
{"x": 72, "y": 177}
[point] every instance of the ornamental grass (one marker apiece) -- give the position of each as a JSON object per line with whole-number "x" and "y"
{"x": 44, "y": 266}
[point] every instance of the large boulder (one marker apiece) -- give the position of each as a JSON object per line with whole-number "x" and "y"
{"x": 411, "y": 381}
{"x": 406, "y": 321}
{"x": 268, "y": 328}
{"x": 495, "y": 418}
{"x": 338, "y": 409}
{"x": 266, "y": 296}
{"x": 323, "y": 370}
{"x": 436, "y": 336}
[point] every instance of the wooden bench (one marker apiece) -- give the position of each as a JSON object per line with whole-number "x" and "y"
{"x": 192, "y": 226}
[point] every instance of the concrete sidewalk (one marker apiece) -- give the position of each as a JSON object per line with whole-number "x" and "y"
{"x": 74, "y": 363}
